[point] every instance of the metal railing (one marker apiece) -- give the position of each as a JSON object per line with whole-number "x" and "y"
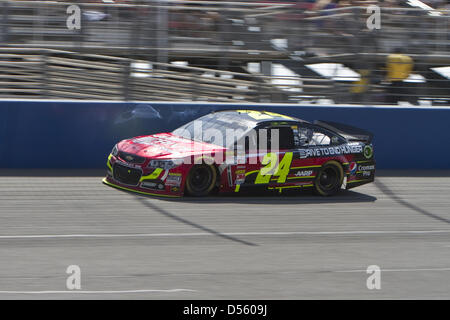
{"x": 55, "y": 74}
{"x": 218, "y": 51}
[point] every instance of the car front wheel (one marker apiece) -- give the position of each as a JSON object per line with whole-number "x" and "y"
{"x": 201, "y": 180}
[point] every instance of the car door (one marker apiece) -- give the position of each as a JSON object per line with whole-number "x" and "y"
{"x": 269, "y": 163}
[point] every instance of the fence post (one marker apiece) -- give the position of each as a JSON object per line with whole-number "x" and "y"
{"x": 45, "y": 92}
{"x": 162, "y": 33}
{"x": 5, "y": 24}
{"x": 194, "y": 89}
{"x": 224, "y": 37}
{"x": 126, "y": 76}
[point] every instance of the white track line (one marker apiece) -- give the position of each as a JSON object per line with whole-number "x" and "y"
{"x": 196, "y": 234}
{"x": 398, "y": 270}
{"x": 99, "y": 291}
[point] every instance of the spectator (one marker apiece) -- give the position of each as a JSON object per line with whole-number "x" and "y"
{"x": 360, "y": 88}
{"x": 398, "y": 67}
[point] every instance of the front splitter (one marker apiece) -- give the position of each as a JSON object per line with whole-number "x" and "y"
{"x": 105, "y": 181}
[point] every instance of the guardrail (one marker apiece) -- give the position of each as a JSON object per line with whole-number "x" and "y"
{"x": 73, "y": 134}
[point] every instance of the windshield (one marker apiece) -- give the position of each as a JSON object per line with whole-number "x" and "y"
{"x": 221, "y": 129}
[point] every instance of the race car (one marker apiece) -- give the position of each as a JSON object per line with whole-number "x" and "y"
{"x": 234, "y": 151}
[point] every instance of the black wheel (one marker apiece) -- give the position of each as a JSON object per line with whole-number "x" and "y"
{"x": 201, "y": 180}
{"x": 329, "y": 179}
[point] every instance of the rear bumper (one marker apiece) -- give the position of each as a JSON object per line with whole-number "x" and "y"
{"x": 365, "y": 173}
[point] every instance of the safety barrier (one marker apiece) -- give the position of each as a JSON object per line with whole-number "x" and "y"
{"x": 73, "y": 134}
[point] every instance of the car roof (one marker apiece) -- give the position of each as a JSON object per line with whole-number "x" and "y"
{"x": 258, "y": 117}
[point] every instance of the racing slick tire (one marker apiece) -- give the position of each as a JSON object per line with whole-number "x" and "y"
{"x": 201, "y": 180}
{"x": 329, "y": 179}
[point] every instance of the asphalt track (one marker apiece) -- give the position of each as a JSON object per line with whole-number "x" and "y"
{"x": 250, "y": 247}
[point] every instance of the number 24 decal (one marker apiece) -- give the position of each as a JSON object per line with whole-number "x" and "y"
{"x": 273, "y": 168}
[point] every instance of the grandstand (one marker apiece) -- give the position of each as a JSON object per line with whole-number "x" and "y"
{"x": 223, "y": 51}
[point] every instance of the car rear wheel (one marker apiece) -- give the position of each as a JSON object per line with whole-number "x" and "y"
{"x": 201, "y": 180}
{"x": 329, "y": 179}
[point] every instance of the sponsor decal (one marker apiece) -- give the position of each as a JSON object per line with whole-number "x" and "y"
{"x": 149, "y": 184}
{"x": 303, "y": 173}
{"x": 162, "y": 144}
{"x": 330, "y": 151}
{"x": 353, "y": 167}
{"x": 152, "y": 185}
{"x": 174, "y": 189}
{"x": 366, "y": 168}
{"x": 368, "y": 152}
{"x": 152, "y": 140}
{"x": 366, "y": 173}
{"x": 173, "y": 180}
{"x": 129, "y": 165}
{"x": 240, "y": 175}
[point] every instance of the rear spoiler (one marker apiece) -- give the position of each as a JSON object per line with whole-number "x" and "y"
{"x": 348, "y": 132}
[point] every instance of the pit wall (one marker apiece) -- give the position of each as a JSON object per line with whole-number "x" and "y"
{"x": 78, "y": 135}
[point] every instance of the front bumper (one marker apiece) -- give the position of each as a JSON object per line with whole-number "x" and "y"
{"x": 143, "y": 180}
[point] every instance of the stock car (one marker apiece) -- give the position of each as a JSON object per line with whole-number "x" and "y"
{"x": 241, "y": 150}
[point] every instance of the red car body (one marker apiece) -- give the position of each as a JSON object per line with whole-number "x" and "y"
{"x": 160, "y": 164}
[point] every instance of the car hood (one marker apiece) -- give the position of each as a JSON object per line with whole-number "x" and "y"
{"x": 166, "y": 146}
